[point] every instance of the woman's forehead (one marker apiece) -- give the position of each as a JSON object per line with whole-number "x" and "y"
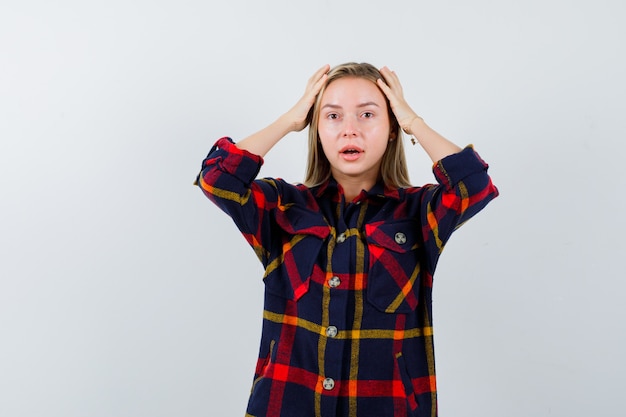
{"x": 352, "y": 91}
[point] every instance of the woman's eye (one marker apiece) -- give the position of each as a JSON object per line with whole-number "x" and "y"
{"x": 368, "y": 114}
{"x": 333, "y": 116}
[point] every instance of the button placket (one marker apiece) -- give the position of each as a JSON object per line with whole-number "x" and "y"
{"x": 334, "y": 345}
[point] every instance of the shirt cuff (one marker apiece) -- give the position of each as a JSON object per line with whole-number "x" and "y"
{"x": 246, "y": 166}
{"x": 456, "y": 167}
{"x": 232, "y": 160}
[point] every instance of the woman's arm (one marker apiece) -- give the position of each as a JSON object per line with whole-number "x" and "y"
{"x": 294, "y": 120}
{"x": 435, "y": 145}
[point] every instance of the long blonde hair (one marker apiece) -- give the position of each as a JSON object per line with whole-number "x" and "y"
{"x": 393, "y": 168}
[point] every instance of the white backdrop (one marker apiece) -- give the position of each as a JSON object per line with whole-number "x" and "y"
{"x": 124, "y": 292}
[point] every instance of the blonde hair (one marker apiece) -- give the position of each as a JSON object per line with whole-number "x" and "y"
{"x": 393, "y": 168}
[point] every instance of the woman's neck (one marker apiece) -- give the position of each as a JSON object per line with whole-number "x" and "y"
{"x": 352, "y": 187}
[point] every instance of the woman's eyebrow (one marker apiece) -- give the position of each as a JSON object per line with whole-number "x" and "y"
{"x": 368, "y": 103}
{"x": 337, "y": 106}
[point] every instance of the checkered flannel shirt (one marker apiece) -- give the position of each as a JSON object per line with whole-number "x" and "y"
{"x": 347, "y": 325}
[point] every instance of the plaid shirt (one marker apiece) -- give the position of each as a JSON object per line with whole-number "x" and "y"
{"x": 347, "y": 325}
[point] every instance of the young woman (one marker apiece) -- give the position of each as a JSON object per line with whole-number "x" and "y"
{"x": 349, "y": 255}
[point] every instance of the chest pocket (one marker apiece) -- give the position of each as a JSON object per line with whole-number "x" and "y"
{"x": 393, "y": 280}
{"x": 298, "y": 239}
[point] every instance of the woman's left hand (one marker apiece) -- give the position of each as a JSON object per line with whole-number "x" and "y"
{"x": 393, "y": 90}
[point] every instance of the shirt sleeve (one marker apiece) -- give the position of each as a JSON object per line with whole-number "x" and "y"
{"x": 464, "y": 189}
{"x": 227, "y": 178}
{"x": 265, "y": 210}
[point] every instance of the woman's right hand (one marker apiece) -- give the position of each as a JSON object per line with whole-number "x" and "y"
{"x": 294, "y": 120}
{"x": 297, "y": 115}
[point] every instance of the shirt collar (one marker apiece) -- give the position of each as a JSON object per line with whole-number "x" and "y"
{"x": 332, "y": 188}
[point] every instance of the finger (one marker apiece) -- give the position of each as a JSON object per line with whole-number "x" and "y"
{"x": 320, "y": 82}
{"x": 319, "y": 74}
{"x": 383, "y": 86}
{"x": 387, "y": 74}
{"x": 391, "y": 78}
{"x": 392, "y": 94}
{"x": 313, "y": 90}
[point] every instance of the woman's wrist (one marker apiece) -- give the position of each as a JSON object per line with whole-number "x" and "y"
{"x": 410, "y": 128}
{"x": 284, "y": 124}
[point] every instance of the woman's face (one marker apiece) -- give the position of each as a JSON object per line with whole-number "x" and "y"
{"x": 354, "y": 128}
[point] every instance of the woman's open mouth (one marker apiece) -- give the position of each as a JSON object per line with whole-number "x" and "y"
{"x": 351, "y": 153}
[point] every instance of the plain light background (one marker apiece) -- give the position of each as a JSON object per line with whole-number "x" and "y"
{"x": 124, "y": 292}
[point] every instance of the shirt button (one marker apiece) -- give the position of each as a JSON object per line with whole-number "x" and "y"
{"x": 331, "y": 331}
{"x": 328, "y": 384}
{"x": 400, "y": 238}
{"x": 334, "y": 282}
{"x": 341, "y": 238}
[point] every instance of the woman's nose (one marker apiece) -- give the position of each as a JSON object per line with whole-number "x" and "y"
{"x": 349, "y": 127}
